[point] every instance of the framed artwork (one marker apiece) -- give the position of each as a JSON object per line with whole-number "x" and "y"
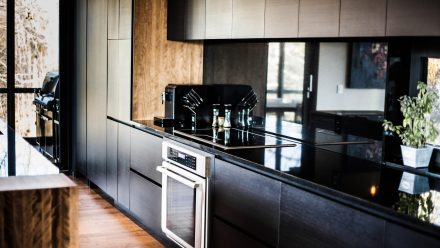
{"x": 368, "y": 65}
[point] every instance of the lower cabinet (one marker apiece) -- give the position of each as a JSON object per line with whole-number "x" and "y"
{"x": 112, "y": 159}
{"x": 224, "y": 235}
{"x": 124, "y": 144}
{"x": 401, "y": 237}
{"x": 309, "y": 220}
{"x": 145, "y": 202}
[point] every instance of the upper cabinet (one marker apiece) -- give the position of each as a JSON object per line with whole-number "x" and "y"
{"x": 413, "y": 18}
{"x": 281, "y": 18}
{"x": 248, "y": 19}
{"x": 186, "y": 19}
{"x": 119, "y": 19}
{"x": 319, "y": 18}
{"x": 218, "y": 19}
{"x": 361, "y": 18}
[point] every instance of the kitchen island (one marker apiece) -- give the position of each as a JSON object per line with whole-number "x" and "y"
{"x": 314, "y": 195}
{"x": 38, "y": 205}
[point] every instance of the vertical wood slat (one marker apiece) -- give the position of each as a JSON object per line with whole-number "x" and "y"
{"x": 157, "y": 61}
{"x": 39, "y": 218}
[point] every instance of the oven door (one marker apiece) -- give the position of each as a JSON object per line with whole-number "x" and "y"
{"x": 183, "y": 208}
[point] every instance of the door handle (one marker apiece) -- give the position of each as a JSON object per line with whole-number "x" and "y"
{"x": 179, "y": 178}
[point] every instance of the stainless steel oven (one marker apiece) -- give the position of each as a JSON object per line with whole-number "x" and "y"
{"x": 185, "y": 186}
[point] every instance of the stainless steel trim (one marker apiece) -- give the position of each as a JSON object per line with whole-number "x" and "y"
{"x": 181, "y": 179}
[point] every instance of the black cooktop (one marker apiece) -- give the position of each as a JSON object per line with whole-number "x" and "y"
{"x": 234, "y": 138}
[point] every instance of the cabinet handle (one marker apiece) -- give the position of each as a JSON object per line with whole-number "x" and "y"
{"x": 179, "y": 178}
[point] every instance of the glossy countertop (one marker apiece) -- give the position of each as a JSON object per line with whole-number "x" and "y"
{"x": 353, "y": 174}
{"x": 25, "y": 160}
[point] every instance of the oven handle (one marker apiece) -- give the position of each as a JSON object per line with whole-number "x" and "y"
{"x": 181, "y": 179}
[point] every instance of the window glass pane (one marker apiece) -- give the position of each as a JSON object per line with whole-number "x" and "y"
{"x": 36, "y": 41}
{"x": 3, "y": 74}
{"x": 25, "y": 115}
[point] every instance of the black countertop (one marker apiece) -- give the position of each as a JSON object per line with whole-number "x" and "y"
{"x": 344, "y": 173}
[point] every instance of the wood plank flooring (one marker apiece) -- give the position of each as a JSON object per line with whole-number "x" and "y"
{"x": 102, "y": 225}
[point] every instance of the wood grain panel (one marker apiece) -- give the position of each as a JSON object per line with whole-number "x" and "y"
{"x": 362, "y": 18}
{"x": 319, "y": 18}
{"x": 39, "y": 217}
{"x": 157, "y": 61}
{"x": 413, "y": 18}
{"x": 281, "y": 18}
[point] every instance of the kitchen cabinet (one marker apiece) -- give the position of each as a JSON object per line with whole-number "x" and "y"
{"x": 186, "y": 19}
{"x": 319, "y": 18}
{"x": 80, "y": 90}
{"x": 281, "y": 18}
{"x": 399, "y": 236}
{"x": 413, "y": 18}
{"x": 247, "y": 200}
{"x": 119, "y": 79}
{"x": 146, "y": 154}
{"x": 362, "y": 18}
{"x": 119, "y": 19}
{"x": 96, "y": 91}
{"x": 248, "y": 18}
{"x": 224, "y": 235}
{"x": 308, "y": 220}
{"x": 145, "y": 202}
{"x": 218, "y": 19}
{"x": 112, "y": 159}
{"x": 124, "y": 165}
{"x": 113, "y": 19}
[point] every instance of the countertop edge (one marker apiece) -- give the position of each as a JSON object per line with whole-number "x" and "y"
{"x": 19, "y": 183}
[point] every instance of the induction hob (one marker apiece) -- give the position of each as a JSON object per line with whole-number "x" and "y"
{"x": 233, "y": 138}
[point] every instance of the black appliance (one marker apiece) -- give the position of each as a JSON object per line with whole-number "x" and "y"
{"x": 47, "y": 101}
{"x": 178, "y": 115}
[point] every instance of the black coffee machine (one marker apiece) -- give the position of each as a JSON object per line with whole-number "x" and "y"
{"x": 175, "y": 98}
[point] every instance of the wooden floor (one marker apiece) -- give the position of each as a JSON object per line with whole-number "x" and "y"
{"x": 102, "y": 225}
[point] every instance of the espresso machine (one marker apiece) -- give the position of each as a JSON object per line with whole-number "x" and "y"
{"x": 189, "y": 105}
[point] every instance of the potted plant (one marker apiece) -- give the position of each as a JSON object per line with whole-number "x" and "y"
{"x": 417, "y": 128}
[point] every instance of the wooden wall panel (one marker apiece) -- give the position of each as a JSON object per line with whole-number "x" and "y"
{"x": 157, "y": 61}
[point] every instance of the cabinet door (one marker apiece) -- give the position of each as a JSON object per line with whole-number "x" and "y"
{"x": 247, "y": 200}
{"x": 113, "y": 19}
{"x": 281, "y": 18}
{"x": 125, "y": 17}
{"x": 362, "y": 18}
{"x": 319, "y": 18}
{"x": 124, "y": 165}
{"x": 218, "y": 19}
{"x": 401, "y": 237}
{"x": 80, "y": 90}
{"x": 146, "y": 154}
{"x": 97, "y": 91}
{"x": 195, "y": 19}
{"x": 224, "y": 235}
{"x": 145, "y": 202}
{"x": 248, "y": 19}
{"x": 113, "y": 78}
{"x": 112, "y": 159}
{"x": 413, "y": 18}
{"x": 308, "y": 220}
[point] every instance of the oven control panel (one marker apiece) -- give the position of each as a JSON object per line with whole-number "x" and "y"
{"x": 182, "y": 158}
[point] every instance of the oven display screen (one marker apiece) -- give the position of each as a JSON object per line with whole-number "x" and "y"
{"x": 181, "y": 158}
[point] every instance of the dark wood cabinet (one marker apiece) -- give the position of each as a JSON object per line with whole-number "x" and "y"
{"x": 145, "y": 202}
{"x": 248, "y": 19}
{"x": 124, "y": 165}
{"x": 362, "y": 18}
{"x": 119, "y": 79}
{"x": 247, "y": 200}
{"x": 146, "y": 154}
{"x": 96, "y": 91}
{"x": 281, "y": 18}
{"x": 80, "y": 90}
{"x": 402, "y": 237}
{"x": 319, "y": 18}
{"x": 308, "y": 220}
{"x": 218, "y": 19}
{"x": 224, "y": 235}
{"x": 112, "y": 159}
{"x": 413, "y": 18}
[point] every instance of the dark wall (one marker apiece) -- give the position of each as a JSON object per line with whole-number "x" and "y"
{"x": 237, "y": 63}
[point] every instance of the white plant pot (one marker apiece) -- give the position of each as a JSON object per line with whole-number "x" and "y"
{"x": 416, "y": 157}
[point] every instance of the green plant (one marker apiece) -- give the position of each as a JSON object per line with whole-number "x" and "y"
{"x": 417, "y": 128}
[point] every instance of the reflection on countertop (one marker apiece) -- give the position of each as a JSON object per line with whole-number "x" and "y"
{"x": 27, "y": 160}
